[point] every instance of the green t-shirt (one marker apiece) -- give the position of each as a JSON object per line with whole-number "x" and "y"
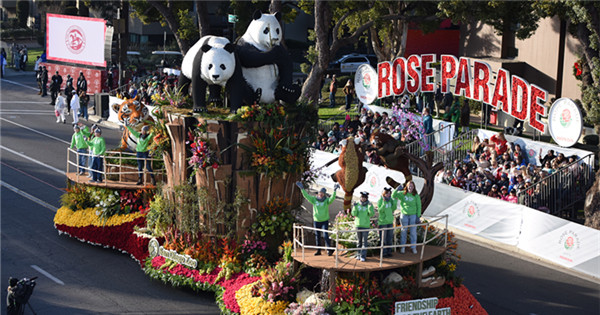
{"x": 363, "y": 215}
{"x": 320, "y": 208}
{"x": 386, "y": 210}
{"x": 142, "y": 144}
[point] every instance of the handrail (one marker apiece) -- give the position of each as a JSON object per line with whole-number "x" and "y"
{"x": 561, "y": 189}
{"x": 298, "y": 234}
{"x": 107, "y": 169}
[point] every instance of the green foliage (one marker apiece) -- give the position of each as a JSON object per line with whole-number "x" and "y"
{"x": 187, "y": 30}
{"x": 280, "y": 137}
{"x": 519, "y": 16}
{"x": 159, "y": 217}
{"x": 77, "y": 197}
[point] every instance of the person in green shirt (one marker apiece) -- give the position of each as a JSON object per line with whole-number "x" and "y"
{"x": 78, "y": 142}
{"x": 386, "y": 207}
{"x": 320, "y": 214}
{"x": 143, "y": 141}
{"x": 410, "y": 205}
{"x": 362, "y": 212}
{"x": 98, "y": 148}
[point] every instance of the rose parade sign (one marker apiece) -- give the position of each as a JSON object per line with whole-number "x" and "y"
{"x": 473, "y": 80}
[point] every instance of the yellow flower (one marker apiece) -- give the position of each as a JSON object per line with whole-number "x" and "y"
{"x": 452, "y": 267}
{"x": 250, "y": 305}
{"x": 87, "y": 217}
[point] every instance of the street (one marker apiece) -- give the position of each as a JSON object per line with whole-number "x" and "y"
{"x": 78, "y": 278}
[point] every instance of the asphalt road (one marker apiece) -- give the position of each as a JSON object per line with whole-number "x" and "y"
{"x": 73, "y": 277}
{"x": 77, "y": 278}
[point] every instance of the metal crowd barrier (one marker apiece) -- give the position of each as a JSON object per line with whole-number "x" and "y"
{"x": 110, "y": 169}
{"x": 561, "y": 189}
{"x": 300, "y": 244}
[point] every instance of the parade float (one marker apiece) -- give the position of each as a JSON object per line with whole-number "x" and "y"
{"x": 225, "y": 217}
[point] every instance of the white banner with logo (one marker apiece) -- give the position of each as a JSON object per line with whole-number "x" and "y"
{"x": 532, "y": 148}
{"x": 75, "y": 39}
{"x": 566, "y": 243}
{"x": 487, "y": 217}
{"x": 560, "y": 241}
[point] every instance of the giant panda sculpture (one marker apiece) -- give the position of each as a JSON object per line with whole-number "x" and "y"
{"x": 211, "y": 63}
{"x": 266, "y": 65}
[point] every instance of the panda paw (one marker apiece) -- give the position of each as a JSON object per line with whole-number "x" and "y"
{"x": 257, "y": 95}
{"x": 288, "y": 94}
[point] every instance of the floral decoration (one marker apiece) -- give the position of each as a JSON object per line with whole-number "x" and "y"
{"x": 413, "y": 126}
{"x": 202, "y": 156}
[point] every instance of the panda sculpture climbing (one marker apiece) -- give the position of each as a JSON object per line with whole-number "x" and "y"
{"x": 211, "y": 63}
{"x": 266, "y": 65}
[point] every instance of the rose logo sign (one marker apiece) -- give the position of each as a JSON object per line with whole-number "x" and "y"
{"x": 569, "y": 242}
{"x": 367, "y": 81}
{"x": 471, "y": 211}
{"x": 373, "y": 181}
{"x": 565, "y": 118}
{"x": 75, "y": 39}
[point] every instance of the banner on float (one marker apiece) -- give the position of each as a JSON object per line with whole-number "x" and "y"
{"x": 114, "y": 116}
{"x": 75, "y": 39}
{"x": 487, "y": 217}
{"x": 563, "y": 242}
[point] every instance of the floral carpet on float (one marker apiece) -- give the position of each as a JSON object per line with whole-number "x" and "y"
{"x": 259, "y": 287}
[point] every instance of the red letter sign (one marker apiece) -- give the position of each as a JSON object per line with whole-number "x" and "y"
{"x": 448, "y": 70}
{"x": 536, "y": 105}
{"x": 501, "y": 90}
{"x": 383, "y": 74}
{"x": 399, "y": 76}
{"x": 522, "y": 99}
{"x": 427, "y": 72}
{"x": 463, "y": 78}
{"x": 413, "y": 85}
{"x": 481, "y": 79}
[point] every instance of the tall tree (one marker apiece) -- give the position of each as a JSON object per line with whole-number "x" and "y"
{"x": 174, "y": 14}
{"x": 509, "y": 19}
{"x": 202, "y": 15}
{"x": 339, "y": 24}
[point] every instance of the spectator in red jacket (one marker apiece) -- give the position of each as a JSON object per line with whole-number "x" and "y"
{"x": 499, "y": 143}
{"x": 459, "y": 180}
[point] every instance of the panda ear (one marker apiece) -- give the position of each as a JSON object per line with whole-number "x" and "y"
{"x": 205, "y": 47}
{"x": 229, "y": 47}
{"x": 278, "y": 16}
{"x": 257, "y": 14}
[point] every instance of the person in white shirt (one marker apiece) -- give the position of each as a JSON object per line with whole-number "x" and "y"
{"x": 59, "y": 108}
{"x": 75, "y": 107}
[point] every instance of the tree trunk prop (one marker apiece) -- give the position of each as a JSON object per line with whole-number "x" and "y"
{"x": 233, "y": 174}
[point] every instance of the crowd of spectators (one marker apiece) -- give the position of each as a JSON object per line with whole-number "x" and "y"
{"x": 149, "y": 88}
{"x": 499, "y": 169}
{"x": 404, "y": 128}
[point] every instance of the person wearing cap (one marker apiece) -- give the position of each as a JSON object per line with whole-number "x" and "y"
{"x": 330, "y": 145}
{"x": 98, "y": 148}
{"x": 59, "y": 108}
{"x": 503, "y": 192}
{"x": 362, "y": 212}
{"x": 78, "y": 141}
{"x": 410, "y": 205}
{"x": 320, "y": 214}
{"x": 386, "y": 207}
{"x": 142, "y": 142}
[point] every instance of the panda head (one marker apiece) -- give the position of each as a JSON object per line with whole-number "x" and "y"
{"x": 264, "y": 30}
{"x": 218, "y": 63}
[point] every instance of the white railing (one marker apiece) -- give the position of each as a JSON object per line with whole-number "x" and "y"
{"x": 110, "y": 170}
{"x": 300, "y": 243}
